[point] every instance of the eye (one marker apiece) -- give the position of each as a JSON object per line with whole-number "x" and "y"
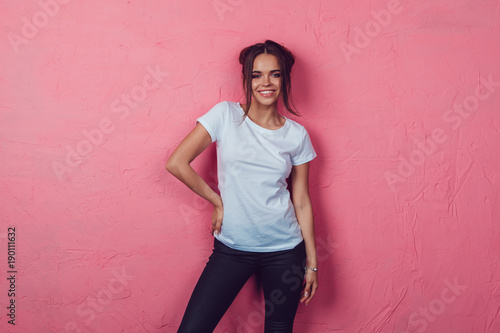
{"x": 276, "y": 75}
{"x": 254, "y": 76}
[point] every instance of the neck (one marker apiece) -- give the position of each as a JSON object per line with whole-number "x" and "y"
{"x": 265, "y": 114}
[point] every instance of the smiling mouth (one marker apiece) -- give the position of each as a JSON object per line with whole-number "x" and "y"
{"x": 267, "y": 93}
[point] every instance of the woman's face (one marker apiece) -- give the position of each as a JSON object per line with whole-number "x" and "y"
{"x": 266, "y": 79}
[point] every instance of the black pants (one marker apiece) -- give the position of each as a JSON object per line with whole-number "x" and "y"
{"x": 227, "y": 270}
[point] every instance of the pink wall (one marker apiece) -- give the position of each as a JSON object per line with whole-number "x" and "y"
{"x": 401, "y": 102}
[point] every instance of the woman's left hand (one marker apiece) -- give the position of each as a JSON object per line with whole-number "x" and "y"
{"x": 310, "y": 287}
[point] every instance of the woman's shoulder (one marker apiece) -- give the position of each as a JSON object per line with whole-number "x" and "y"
{"x": 296, "y": 125}
{"x": 229, "y": 106}
{"x": 235, "y": 106}
{"x": 230, "y": 109}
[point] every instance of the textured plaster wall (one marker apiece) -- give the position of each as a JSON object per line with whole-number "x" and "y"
{"x": 401, "y": 100}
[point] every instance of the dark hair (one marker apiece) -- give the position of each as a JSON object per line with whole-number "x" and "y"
{"x": 285, "y": 60}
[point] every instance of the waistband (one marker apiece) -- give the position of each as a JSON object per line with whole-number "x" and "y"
{"x": 218, "y": 245}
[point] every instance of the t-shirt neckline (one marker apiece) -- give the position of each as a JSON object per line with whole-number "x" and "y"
{"x": 260, "y": 128}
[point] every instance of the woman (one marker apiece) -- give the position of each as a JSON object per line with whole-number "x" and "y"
{"x": 258, "y": 226}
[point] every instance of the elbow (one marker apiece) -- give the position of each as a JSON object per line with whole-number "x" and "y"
{"x": 304, "y": 206}
{"x": 171, "y": 166}
{"x": 174, "y": 166}
{"x": 303, "y": 203}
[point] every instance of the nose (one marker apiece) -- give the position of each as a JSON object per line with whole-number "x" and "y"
{"x": 266, "y": 80}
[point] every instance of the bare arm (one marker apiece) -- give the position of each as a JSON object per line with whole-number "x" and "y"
{"x": 303, "y": 210}
{"x": 178, "y": 165}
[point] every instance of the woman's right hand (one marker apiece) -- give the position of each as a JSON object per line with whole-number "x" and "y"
{"x": 217, "y": 216}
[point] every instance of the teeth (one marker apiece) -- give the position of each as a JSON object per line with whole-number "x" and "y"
{"x": 267, "y": 92}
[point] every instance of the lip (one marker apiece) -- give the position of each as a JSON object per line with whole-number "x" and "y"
{"x": 268, "y": 94}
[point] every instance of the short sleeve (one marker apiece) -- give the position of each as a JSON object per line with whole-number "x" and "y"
{"x": 213, "y": 120}
{"x": 306, "y": 151}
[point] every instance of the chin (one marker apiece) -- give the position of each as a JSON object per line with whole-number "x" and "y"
{"x": 265, "y": 101}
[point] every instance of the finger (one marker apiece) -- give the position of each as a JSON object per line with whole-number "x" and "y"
{"x": 313, "y": 292}
{"x": 306, "y": 292}
{"x": 314, "y": 288}
{"x": 213, "y": 226}
{"x": 215, "y": 223}
{"x": 218, "y": 226}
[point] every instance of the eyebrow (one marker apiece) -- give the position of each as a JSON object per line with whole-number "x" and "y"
{"x": 275, "y": 70}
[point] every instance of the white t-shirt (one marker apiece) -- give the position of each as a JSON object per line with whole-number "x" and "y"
{"x": 253, "y": 164}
